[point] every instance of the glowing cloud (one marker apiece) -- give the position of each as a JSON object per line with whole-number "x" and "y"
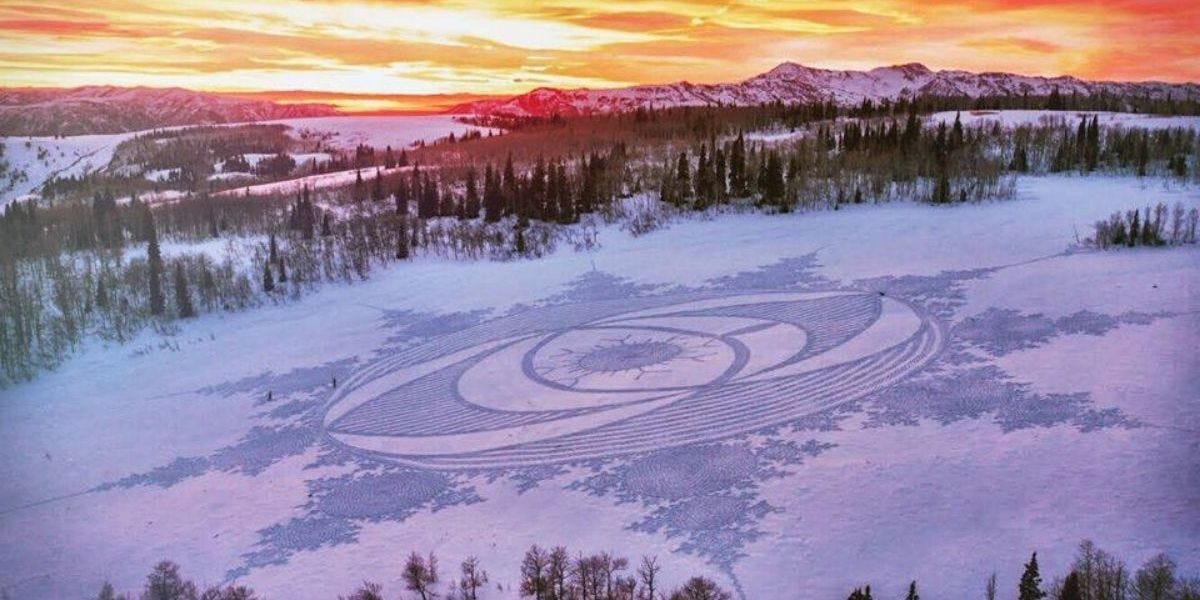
{"x": 361, "y": 48}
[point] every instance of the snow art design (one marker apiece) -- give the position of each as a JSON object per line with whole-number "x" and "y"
{"x": 598, "y": 379}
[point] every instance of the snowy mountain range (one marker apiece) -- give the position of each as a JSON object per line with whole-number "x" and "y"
{"x": 793, "y": 83}
{"x": 110, "y": 109}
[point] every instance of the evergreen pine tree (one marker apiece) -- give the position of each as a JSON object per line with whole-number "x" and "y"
{"x": 861, "y": 594}
{"x": 377, "y": 193}
{"x": 402, "y": 197}
{"x": 283, "y": 276}
{"x": 912, "y": 592}
{"x": 308, "y": 218}
{"x": 427, "y": 204}
{"x": 1055, "y": 101}
{"x": 359, "y": 193}
{"x": 553, "y": 200}
{"x": 471, "y": 202}
{"x": 566, "y": 201}
{"x": 737, "y": 167}
{"x": 702, "y": 179}
{"x": 666, "y": 191}
{"x": 402, "y": 237}
{"x": 912, "y": 131}
{"x": 1143, "y": 154}
{"x": 493, "y": 200}
{"x": 213, "y": 230}
{"x": 683, "y": 178}
{"x": 509, "y": 188}
{"x": 719, "y": 175}
{"x": 155, "y": 264}
{"x": 587, "y": 191}
{"x": 147, "y": 228}
{"x": 956, "y": 135}
{"x": 537, "y": 191}
{"x": 1081, "y": 143}
{"x": 183, "y": 300}
{"x": 1093, "y": 144}
{"x": 326, "y": 226}
{"x": 772, "y": 186}
{"x": 1030, "y": 587}
{"x": 272, "y": 249}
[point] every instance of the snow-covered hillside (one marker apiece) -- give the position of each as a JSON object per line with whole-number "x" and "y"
{"x": 793, "y": 83}
{"x": 34, "y": 160}
{"x": 111, "y": 109}
{"x": 1042, "y": 393}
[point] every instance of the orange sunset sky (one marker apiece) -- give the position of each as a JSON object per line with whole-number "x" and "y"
{"x": 362, "y": 54}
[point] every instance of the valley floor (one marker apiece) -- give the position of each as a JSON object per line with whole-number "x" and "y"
{"x": 1057, "y": 401}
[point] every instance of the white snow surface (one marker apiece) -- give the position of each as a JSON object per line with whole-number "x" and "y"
{"x": 944, "y": 503}
{"x": 399, "y": 132}
{"x": 254, "y": 158}
{"x": 159, "y": 175}
{"x": 319, "y": 181}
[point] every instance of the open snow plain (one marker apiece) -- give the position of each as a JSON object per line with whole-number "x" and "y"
{"x": 793, "y": 404}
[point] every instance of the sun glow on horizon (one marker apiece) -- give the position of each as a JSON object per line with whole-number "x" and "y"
{"x": 388, "y": 48}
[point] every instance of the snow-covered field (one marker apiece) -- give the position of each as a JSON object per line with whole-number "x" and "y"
{"x": 382, "y": 131}
{"x": 776, "y": 135}
{"x": 813, "y": 402}
{"x": 319, "y": 181}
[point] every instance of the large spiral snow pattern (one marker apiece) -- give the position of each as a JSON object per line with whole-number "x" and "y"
{"x": 597, "y": 379}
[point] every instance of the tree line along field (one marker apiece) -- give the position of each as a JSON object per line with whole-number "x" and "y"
{"x": 556, "y": 574}
{"x": 85, "y": 261}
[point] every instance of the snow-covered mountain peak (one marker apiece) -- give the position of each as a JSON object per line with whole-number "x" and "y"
{"x": 790, "y": 69}
{"x": 791, "y": 82}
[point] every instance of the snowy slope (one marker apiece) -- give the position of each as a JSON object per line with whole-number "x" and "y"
{"x": 41, "y": 158}
{"x": 111, "y": 109}
{"x": 1061, "y": 407}
{"x": 792, "y": 83}
{"x": 34, "y": 160}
